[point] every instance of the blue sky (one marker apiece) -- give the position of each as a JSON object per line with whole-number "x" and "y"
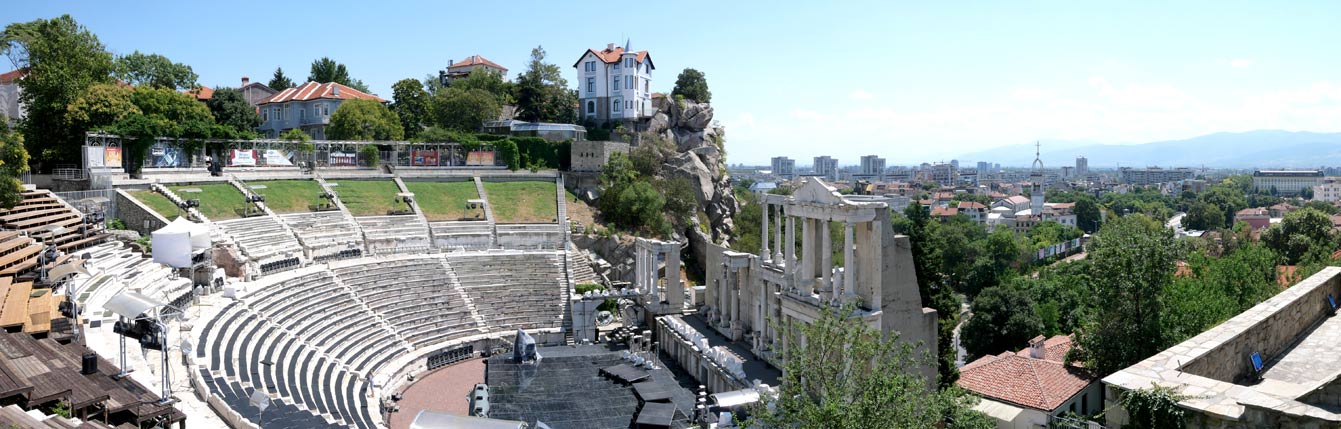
{"x": 911, "y": 81}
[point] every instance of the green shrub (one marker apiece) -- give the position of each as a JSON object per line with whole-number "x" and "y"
{"x": 116, "y": 224}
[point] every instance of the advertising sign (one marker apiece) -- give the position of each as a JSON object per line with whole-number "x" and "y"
{"x": 343, "y": 159}
{"x": 165, "y": 157}
{"x": 112, "y": 157}
{"x": 277, "y": 157}
{"x": 480, "y": 158}
{"x": 94, "y": 156}
{"x": 421, "y": 158}
{"x": 243, "y": 157}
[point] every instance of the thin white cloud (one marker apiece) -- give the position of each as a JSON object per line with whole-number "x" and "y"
{"x": 1239, "y": 63}
{"x": 860, "y": 95}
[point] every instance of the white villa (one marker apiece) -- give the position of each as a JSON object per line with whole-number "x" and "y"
{"x": 615, "y": 84}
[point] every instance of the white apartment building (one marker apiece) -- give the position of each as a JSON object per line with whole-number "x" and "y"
{"x": 1329, "y": 191}
{"x": 615, "y": 84}
{"x": 1286, "y": 182}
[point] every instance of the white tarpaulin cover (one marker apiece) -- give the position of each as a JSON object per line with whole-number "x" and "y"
{"x": 172, "y": 244}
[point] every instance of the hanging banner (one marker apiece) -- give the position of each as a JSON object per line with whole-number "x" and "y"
{"x": 243, "y": 157}
{"x": 424, "y": 158}
{"x": 112, "y": 157}
{"x": 277, "y": 157}
{"x": 480, "y": 158}
{"x": 162, "y": 156}
{"x": 93, "y": 156}
{"x": 343, "y": 159}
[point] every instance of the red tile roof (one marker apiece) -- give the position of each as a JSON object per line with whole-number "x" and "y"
{"x": 611, "y": 56}
{"x": 944, "y": 211}
{"x": 314, "y": 91}
{"x": 1043, "y": 384}
{"x": 969, "y": 205}
{"x": 476, "y": 60}
{"x": 201, "y": 93}
{"x": 13, "y": 75}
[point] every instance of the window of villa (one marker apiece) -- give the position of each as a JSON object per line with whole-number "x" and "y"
{"x": 591, "y": 107}
{"x": 614, "y": 105}
{"x": 591, "y": 84}
{"x": 628, "y": 63}
{"x": 616, "y": 85}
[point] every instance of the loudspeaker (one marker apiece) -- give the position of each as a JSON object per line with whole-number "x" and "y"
{"x": 90, "y": 364}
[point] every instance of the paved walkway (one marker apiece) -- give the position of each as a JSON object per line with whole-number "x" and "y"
{"x": 1317, "y": 355}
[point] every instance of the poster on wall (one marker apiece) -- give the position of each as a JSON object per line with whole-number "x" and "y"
{"x": 277, "y": 157}
{"x": 93, "y": 155}
{"x": 343, "y": 159}
{"x": 112, "y": 157}
{"x": 243, "y": 157}
{"x": 165, "y": 157}
{"x": 480, "y": 158}
{"x": 422, "y": 158}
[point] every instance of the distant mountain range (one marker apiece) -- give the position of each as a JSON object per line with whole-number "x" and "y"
{"x": 1262, "y": 148}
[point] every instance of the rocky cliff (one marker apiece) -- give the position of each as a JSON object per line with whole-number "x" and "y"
{"x": 701, "y": 158}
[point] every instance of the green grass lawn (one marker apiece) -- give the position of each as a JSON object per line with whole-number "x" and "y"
{"x": 446, "y": 200}
{"x": 218, "y": 201}
{"x": 156, "y": 202}
{"x": 522, "y": 202}
{"x": 289, "y": 196}
{"x": 366, "y": 197}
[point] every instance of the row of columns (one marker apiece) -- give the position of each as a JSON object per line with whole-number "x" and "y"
{"x": 811, "y": 229}
{"x": 648, "y": 254}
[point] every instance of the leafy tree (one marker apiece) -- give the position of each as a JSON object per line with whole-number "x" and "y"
{"x": 101, "y": 106}
{"x": 13, "y": 163}
{"x": 154, "y": 70}
{"x": 1299, "y": 232}
{"x": 1088, "y": 215}
{"x": 279, "y": 81}
{"x": 488, "y": 81}
{"x": 295, "y": 134}
{"x": 325, "y": 70}
{"x": 1204, "y": 216}
{"x": 841, "y": 373}
{"x": 63, "y": 60}
{"x": 1229, "y": 198}
{"x": 543, "y": 94}
{"x": 1154, "y": 408}
{"x": 1048, "y": 233}
{"x": 169, "y": 105}
{"x": 464, "y": 110}
{"x": 138, "y": 132}
{"x": 1004, "y": 319}
{"x": 411, "y": 103}
{"x": 1323, "y": 206}
{"x": 232, "y": 110}
{"x": 362, "y": 119}
{"x": 1134, "y": 255}
{"x": 692, "y": 85}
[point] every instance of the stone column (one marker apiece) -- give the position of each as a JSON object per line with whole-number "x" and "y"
{"x": 826, "y": 261}
{"x": 777, "y": 243}
{"x": 790, "y": 244}
{"x": 807, "y": 255}
{"x": 849, "y": 259}
{"x": 725, "y": 291}
{"x": 674, "y": 291}
{"x": 764, "y": 253}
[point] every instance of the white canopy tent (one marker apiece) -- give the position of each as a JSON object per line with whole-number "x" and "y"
{"x": 173, "y": 244}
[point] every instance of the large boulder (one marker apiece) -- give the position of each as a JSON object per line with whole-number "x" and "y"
{"x": 689, "y": 166}
{"x": 692, "y": 116}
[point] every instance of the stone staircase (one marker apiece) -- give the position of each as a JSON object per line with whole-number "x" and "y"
{"x": 455, "y": 285}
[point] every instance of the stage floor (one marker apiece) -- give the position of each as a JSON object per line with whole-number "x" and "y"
{"x": 567, "y": 391}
